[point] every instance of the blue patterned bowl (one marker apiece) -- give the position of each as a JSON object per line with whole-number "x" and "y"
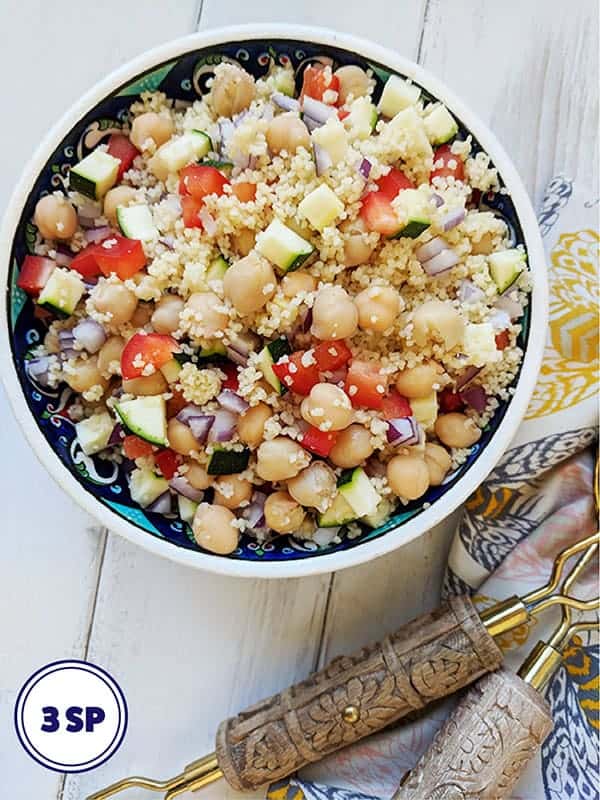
{"x": 181, "y": 69}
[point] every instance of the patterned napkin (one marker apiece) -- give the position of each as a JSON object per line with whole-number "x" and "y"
{"x": 537, "y": 500}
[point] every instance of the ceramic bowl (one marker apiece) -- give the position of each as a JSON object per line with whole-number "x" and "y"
{"x": 181, "y": 69}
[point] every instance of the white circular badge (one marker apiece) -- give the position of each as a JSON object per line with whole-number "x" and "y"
{"x": 71, "y": 716}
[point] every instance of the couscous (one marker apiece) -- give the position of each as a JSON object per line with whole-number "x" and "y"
{"x": 282, "y": 312}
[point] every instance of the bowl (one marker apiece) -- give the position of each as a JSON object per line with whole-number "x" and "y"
{"x": 181, "y": 69}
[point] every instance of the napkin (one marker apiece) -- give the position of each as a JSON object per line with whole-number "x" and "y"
{"x": 537, "y": 500}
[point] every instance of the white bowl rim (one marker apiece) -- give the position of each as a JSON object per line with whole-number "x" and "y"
{"x": 498, "y": 443}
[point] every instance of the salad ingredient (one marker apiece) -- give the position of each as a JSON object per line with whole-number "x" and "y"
{"x": 214, "y": 530}
{"x": 457, "y": 430}
{"x": 352, "y": 447}
{"x": 55, "y": 217}
{"x": 282, "y": 513}
{"x": 408, "y": 476}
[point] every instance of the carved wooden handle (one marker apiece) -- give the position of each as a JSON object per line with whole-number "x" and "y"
{"x": 484, "y": 746}
{"x": 355, "y": 696}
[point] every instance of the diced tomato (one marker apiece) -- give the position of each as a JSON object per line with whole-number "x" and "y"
{"x": 315, "y": 83}
{"x": 134, "y": 447}
{"x": 450, "y": 401}
{"x": 168, "y": 462}
{"x": 447, "y": 165}
{"x": 343, "y": 113}
{"x": 378, "y": 214}
{"x": 143, "y": 349}
{"x": 198, "y": 181}
{"x": 295, "y": 375}
{"x": 244, "y": 191}
{"x": 232, "y": 380}
{"x": 86, "y": 263}
{"x": 120, "y": 255}
{"x": 393, "y": 183}
{"x": 34, "y": 273}
{"x": 41, "y": 313}
{"x": 332, "y": 356}
{"x": 365, "y": 385}
{"x": 319, "y": 442}
{"x": 121, "y": 147}
{"x": 395, "y": 406}
{"x": 175, "y": 403}
{"x": 190, "y": 208}
{"x": 502, "y": 340}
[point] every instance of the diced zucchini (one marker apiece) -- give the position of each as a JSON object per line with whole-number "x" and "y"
{"x": 63, "y": 290}
{"x": 283, "y": 247}
{"x": 226, "y": 167}
{"x": 187, "y": 508}
{"x": 340, "y": 512}
{"x": 506, "y": 266}
{"x": 321, "y": 207}
{"x": 333, "y": 138}
{"x": 381, "y": 514}
{"x": 171, "y": 370}
{"x": 136, "y": 222}
{"x": 145, "y": 487}
{"x": 425, "y": 410}
{"x": 95, "y": 174}
{"x": 94, "y": 432}
{"x": 146, "y": 417}
{"x": 217, "y": 270}
{"x": 362, "y": 118}
{"x": 177, "y": 153}
{"x": 440, "y": 125}
{"x": 268, "y": 356}
{"x": 283, "y": 80}
{"x": 397, "y": 95}
{"x": 413, "y": 210}
{"x": 228, "y": 462}
{"x": 212, "y": 350}
{"x": 358, "y": 491}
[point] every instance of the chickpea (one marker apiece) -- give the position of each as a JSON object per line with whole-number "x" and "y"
{"x": 151, "y": 126}
{"x": 197, "y": 476}
{"x": 377, "y": 307}
{"x": 86, "y": 375}
{"x": 353, "y": 81}
{"x": 327, "y": 407}
{"x": 55, "y": 217}
{"x": 356, "y": 249}
{"x": 352, "y": 447}
{"x": 231, "y": 491}
{"x": 206, "y": 305}
{"x": 296, "y": 282}
{"x": 287, "y": 132}
{"x": 146, "y": 384}
{"x": 165, "y": 318}
{"x": 438, "y": 462}
{"x": 419, "y": 381}
{"x": 334, "y": 314}
{"x": 314, "y": 486}
{"x": 249, "y": 283}
{"x": 243, "y": 241}
{"x": 408, "y": 476}
{"x": 181, "y": 439}
{"x": 114, "y": 299}
{"x": 280, "y": 459}
{"x": 439, "y": 319}
{"x": 282, "y": 513}
{"x": 142, "y": 315}
{"x": 484, "y": 246}
{"x": 251, "y": 425}
{"x": 232, "y": 90}
{"x": 119, "y": 196}
{"x": 214, "y": 530}
{"x": 109, "y": 357}
{"x": 457, "y": 430}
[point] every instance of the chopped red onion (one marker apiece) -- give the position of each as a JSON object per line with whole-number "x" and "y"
{"x": 246, "y": 343}
{"x": 469, "y": 293}
{"x": 162, "y": 504}
{"x": 86, "y": 222}
{"x": 236, "y": 357}
{"x": 90, "y": 335}
{"x": 322, "y": 159}
{"x": 311, "y": 123}
{"x": 254, "y": 514}
{"x": 191, "y": 410}
{"x": 285, "y": 102}
{"x": 475, "y": 397}
{"x": 226, "y": 131}
{"x": 69, "y": 352}
{"x": 168, "y": 241}
{"x": 223, "y": 428}
{"x": 513, "y": 308}
{"x": 437, "y": 200}
{"x": 231, "y": 401}
{"x": 208, "y": 221}
{"x": 316, "y": 110}
{"x": 466, "y": 376}
{"x": 365, "y": 168}
{"x": 97, "y": 235}
{"x": 404, "y": 430}
{"x": 66, "y": 338}
{"x": 337, "y": 376}
{"x": 117, "y": 435}
{"x": 431, "y": 249}
{"x": 200, "y": 426}
{"x": 499, "y": 320}
{"x": 453, "y": 218}
{"x": 307, "y": 321}
{"x": 62, "y": 258}
{"x": 38, "y": 370}
{"x": 441, "y": 263}
{"x": 182, "y": 486}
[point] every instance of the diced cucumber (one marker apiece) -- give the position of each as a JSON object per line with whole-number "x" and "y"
{"x": 226, "y": 167}
{"x": 217, "y": 270}
{"x": 268, "y": 356}
{"x": 177, "y": 153}
{"x": 145, "y": 487}
{"x": 187, "y": 508}
{"x": 358, "y": 491}
{"x": 283, "y": 247}
{"x": 63, "y": 290}
{"x": 171, "y": 370}
{"x": 321, "y": 207}
{"x": 340, "y": 512}
{"x": 362, "y": 118}
{"x": 397, "y": 95}
{"x": 440, "y": 125}
{"x": 136, "y": 222}
{"x": 425, "y": 410}
{"x": 333, "y": 138}
{"x": 413, "y": 210}
{"x": 506, "y": 266}
{"x": 146, "y": 417}
{"x": 214, "y": 349}
{"x": 95, "y": 174}
{"x": 381, "y": 514}
{"x": 228, "y": 462}
{"x": 94, "y": 432}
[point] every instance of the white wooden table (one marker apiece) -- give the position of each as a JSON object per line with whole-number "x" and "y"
{"x": 189, "y": 648}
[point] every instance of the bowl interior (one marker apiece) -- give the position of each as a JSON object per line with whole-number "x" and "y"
{"x": 184, "y": 79}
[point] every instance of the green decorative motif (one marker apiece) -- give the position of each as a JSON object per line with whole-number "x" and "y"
{"x": 31, "y": 235}
{"x": 381, "y": 73}
{"x": 135, "y": 515}
{"x": 17, "y": 297}
{"x": 148, "y": 83}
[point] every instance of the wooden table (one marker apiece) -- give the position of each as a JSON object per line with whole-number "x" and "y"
{"x": 189, "y": 648}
